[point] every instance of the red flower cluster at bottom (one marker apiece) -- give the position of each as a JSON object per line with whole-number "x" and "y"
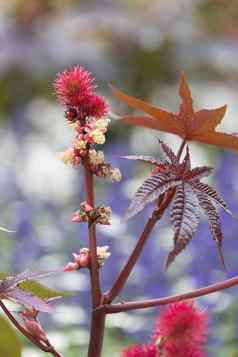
{"x": 180, "y": 331}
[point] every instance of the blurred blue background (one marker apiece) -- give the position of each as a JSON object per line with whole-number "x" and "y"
{"x": 139, "y": 46}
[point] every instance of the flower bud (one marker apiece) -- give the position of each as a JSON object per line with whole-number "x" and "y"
{"x": 115, "y": 175}
{"x": 97, "y": 136}
{"x": 103, "y": 254}
{"x": 35, "y": 329}
{"x": 71, "y": 267}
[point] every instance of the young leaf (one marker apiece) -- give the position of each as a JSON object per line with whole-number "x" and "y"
{"x": 214, "y": 222}
{"x": 169, "y": 153}
{"x": 185, "y": 214}
{"x": 211, "y": 193}
{"x": 28, "y": 300}
{"x": 149, "y": 191}
{"x": 9, "y": 289}
{"x": 198, "y": 173}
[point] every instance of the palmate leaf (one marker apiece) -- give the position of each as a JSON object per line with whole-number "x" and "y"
{"x": 149, "y": 191}
{"x": 169, "y": 153}
{"x": 28, "y": 300}
{"x": 198, "y": 172}
{"x": 10, "y": 289}
{"x": 213, "y": 220}
{"x": 187, "y": 160}
{"x": 188, "y": 124}
{"x": 186, "y": 106}
{"x": 212, "y": 194}
{"x": 185, "y": 214}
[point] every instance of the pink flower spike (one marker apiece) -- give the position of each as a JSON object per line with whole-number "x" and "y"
{"x": 146, "y": 350}
{"x": 183, "y": 323}
{"x": 95, "y": 107}
{"x": 72, "y": 86}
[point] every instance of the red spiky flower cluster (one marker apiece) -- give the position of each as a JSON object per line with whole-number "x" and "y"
{"x": 181, "y": 327}
{"x": 146, "y": 350}
{"x": 85, "y": 111}
{"x": 75, "y": 90}
{"x": 180, "y": 330}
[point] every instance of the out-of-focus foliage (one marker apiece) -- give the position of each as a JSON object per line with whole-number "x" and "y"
{"x": 9, "y": 342}
{"x": 141, "y": 47}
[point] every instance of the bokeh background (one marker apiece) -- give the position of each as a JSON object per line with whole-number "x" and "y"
{"x": 140, "y": 46}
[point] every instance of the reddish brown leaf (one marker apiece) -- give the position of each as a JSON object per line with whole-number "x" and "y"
{"x": 169, "y": 126}
{"x": 223, "y": 140}
{"x": 186, "y": 107}
{"x": 189, "y": 125}
{"x": 206, "y": 120}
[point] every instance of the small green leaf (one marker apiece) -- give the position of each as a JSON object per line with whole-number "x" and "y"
{"x": 38, "y": 289}
{"x": 41, "y": 290}
{"x": 10, "y": 346}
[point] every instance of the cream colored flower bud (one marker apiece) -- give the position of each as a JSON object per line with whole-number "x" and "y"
{"x": 116, "y": 175}
{"x": 80, "y": 144}
{"x": 95, "y": 157}
{"x": 103, "y": 254}
{"x": 98, "y": 136}
{"x": 67, "y": 156}
{"x": 102, "y": 124}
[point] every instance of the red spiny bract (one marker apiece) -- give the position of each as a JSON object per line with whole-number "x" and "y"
{"x": 74, "y": 88}
{"x": 181, "y": 325}
{"x": 146, "y": 350}
{"x": 73, "y": 85}
{"x": 173, "y": 350}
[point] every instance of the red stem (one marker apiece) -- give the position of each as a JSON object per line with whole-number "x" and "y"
{"x": 135, "y": 305}
{"x": 97, "y": 318}
{"x": 95, "y": 282}
{"x": 96, "y": 334}
{"x": 125, "y": 272}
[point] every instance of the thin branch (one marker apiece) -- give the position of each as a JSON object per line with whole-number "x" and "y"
{"x": 95, "y": 282}
{"x": 28, "y": 335}
{"x": 125, "y": 272}
{"x": 135, "y": 305}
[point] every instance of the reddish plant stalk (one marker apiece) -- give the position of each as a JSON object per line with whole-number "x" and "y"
{"x": 96, "y": 334}
{"x": 97, "y": 318}
{"x": 135, "y": 305}
{"x": 125, "y": 272}
{"x": 29, "y": 336}
{"x": 95, "y": 282}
